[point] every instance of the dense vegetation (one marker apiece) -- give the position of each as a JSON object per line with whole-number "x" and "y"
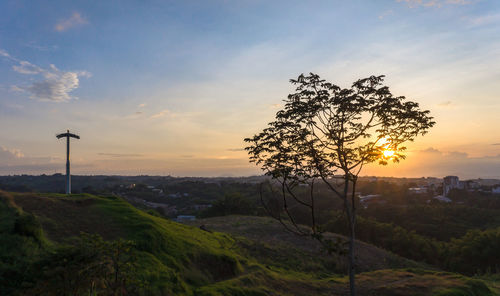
{"x": 88, "y": 245}
{"x": 474, "y": 253}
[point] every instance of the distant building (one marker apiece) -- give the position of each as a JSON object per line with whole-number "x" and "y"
{"x": 418, "y": 190}
{"x": 181, "y": 218}
{"x": 442, "y": 198}
{"x": 495, "y": 189}
{"x": 449, "y": 183}
{"x": 471, "y": 185}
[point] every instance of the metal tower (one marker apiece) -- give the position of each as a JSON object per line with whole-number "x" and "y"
{"x": 68, "y": 176}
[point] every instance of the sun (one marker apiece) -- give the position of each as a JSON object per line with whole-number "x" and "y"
{"x": 388, "y": 153}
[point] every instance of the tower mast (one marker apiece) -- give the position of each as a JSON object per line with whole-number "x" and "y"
{"x": 68, "y": 174}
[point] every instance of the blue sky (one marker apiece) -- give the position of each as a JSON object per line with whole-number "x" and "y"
{"x": 172, "y": 87}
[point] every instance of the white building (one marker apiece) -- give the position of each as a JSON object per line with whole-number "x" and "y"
{"x": 418, "y": 190}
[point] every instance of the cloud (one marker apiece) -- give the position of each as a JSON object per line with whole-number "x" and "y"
{"x": 485, "y": 20}
{"x": 141, "y": 105}
{"x": 25, "y": 67}
{"x": 433, "y": 162}
{"x": 39, "y": 47}
{"x": 496, "y": 144}
{"x": 120, "y": 154}
{"x": 54, "y": 86}
{"x": 236, "y": 149}
{"x": 73, "y": 21}
{"x": 16, "y": 88}
{"x": 3, "y": 53}
{"x": 160, "y": 114}
{"x": 386, "y": 14}
{"x": 7, "y": 154}
{"x": 445, "y": 104}
{"x": 434, "y": 3}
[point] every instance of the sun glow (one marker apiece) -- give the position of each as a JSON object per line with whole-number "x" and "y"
{"x": 388, "y": 153}
{"x": 385, "y": 146}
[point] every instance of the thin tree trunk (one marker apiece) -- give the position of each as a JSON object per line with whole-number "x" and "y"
{"x": 352, "y": 273}
{"x": 349, "y": 210}
{"x": 352, "y": 238}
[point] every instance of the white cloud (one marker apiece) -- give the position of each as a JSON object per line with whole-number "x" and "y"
{"x": 74, "y": 20}
{"x": 160, "y": 114}
{"x": 55, "y": 85}
{"x": 4, "y": 53}
{"x": 25, "y": 67}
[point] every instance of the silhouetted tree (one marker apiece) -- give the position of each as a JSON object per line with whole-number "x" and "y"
{"x": 327, "y": 134}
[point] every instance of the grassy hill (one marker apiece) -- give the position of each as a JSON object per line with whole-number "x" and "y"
{"x": 37, "y": 230}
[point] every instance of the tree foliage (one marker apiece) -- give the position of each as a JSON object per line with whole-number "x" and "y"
{"x": 327, "y": 133}
{"x": 92, "y": 267}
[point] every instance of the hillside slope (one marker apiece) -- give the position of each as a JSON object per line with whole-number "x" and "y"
{"x": 265, "y": 232}
{"x": 176, "y": 259}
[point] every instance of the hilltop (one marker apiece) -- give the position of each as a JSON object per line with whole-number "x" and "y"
{"x": 177, "y": 259}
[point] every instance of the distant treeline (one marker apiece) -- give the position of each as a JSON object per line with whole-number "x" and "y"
{"x": 474, "y": 253}
{"x": 454, "y": 237}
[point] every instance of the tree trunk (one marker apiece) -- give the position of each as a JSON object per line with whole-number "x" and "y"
{"x": 351, "y": 216}
{"x": 352, "y": 286}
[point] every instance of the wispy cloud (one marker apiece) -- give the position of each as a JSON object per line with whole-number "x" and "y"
{"x": 55, "y": 85}
{"x": 386, "y": 14}
{"x": 3, "y": 53}
{"x": 446, "y": 104}
{"x": 435, "y": 3}
{"x": 496, "y": 144}
{"x": 434, "y": 162}
{"x": 120, "y": 154}
{"x": 160, "y": 114}
{"x": 485, "y": 20}
{"x": 73, "y": 21}
{"x": 10, "y": 153}
{"x": 141, "y": 105}
{"x": 25, "y": 67}
{"x": 39, "y": 47}
{"x": 236, "y": 149}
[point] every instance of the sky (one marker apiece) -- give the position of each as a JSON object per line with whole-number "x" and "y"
{"x": 173, "y": 87}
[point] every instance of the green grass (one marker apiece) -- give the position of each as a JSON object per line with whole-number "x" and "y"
{"x": 176, "y": 259}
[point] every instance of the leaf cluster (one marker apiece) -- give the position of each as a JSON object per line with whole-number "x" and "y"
{"x": 325, "y": 130}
